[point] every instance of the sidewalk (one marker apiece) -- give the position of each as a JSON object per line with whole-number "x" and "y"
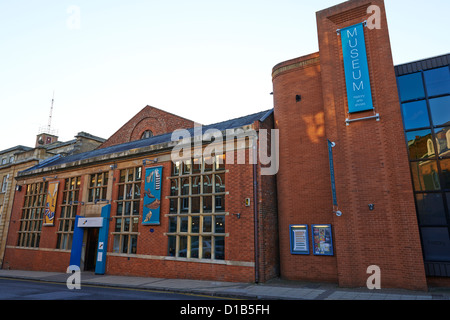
{"x": 273, "y": 290}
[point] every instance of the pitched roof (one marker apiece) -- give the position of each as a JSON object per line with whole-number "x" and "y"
{"x": 155, "y": 140}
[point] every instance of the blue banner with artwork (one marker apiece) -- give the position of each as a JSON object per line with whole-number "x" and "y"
{"x": 357, "y": 79}
{"x": 152, "y": 196}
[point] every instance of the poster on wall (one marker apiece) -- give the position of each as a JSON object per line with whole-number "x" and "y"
{"x": 152, "y": 196}
{"x": 322, "y": 240}
{"x": 50, "y": 204}
{"x": 299, "y": 239}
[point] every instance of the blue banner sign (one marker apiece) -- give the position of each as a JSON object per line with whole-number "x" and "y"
{"x": 152, "y": 196}
{"x": 359, "y": 93}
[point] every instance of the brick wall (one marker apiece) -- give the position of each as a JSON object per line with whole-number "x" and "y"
{"x": 304, "y": 190}
{"x": 371, "y": 165}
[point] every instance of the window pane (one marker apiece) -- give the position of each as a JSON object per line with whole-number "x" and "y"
{"x": 220, "y": 162}
{"x": 186, "y": 166}
{"x": 411, "y": 86}
{"x": 135, "y": 225}
{"x": 206, "y": 243}
{"x": 197, "y": 166}
{"x": 183, "y": 224}
{"x": 118, "y": 227}
{"x": 436, "y": 244}
{"x": 195, "y": 206}
{"x": 445, "y": 169}
{"x": 194, "y": 246}
{"x": 185, "y": 186}
{"x": 443, "y": 141}
{"x": 171, "y": 245}
{"x": 195, "y": 226}
{"x": 122, "y": 175}
{"x": 172, "y": 224}
{"x": 440, "y": 110}
{"x": 196, "y": 185}
{"x": 418, "y": 144}
{"x": 219, "y": 248}
{"x": 207, "y": 223}
{"x": 133, "y": 248}
{"x": 174, "y": 187}
{"x": 220, "y": 224}
{"x": 207, "y": 184}
{"x": 129, "y": 193}
{"x": 207, "y": 204}
{"x": 437, "y": 81}
{"x": 415, "y": 115}
{"x": 219, "y": 182}
{"x": 173, "y": 205}
{"x": 183, "y": 247}
{"x": 126, "y": 225}
{"x": 425, "y": 175}
{"x": 138, "y": 174}
{"x": 137, "y": 191}
{"x": 208, "y": 163}
{"x": 124, "y": 244}
{"x": 119, "y": 208}
{"x": 219, "y": 203}
{"x": 184, "y": 205}
{"x": 176, "y": 168}
{"x": 431, "y": 209}
{"x": 136, "y": 205}
{"x": 121, "y": 192}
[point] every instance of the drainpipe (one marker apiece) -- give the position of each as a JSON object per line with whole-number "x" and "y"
{"x": 255, "y": 207}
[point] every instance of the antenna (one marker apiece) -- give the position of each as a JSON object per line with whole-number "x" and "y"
{"x": 51, "y": 113}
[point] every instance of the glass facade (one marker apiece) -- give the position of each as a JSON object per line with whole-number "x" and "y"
{"x": 425, "y": 104}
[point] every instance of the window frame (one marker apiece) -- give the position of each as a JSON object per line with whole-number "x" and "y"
{"x": 32, "y": 215}
{"x": 192, "y": 234}
{"x": 69, "y": 208}
{"x": 98, "y": 192}
{"x": 127, "y": 234}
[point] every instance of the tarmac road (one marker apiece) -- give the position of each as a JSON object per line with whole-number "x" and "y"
{"x": 14, "y": 289}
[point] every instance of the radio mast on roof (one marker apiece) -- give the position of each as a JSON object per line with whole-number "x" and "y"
{"x": 49, "y": 126}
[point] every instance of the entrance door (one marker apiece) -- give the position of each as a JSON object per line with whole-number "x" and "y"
{"x": 91, "y": 249}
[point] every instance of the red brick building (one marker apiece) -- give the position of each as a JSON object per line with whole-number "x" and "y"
{"x": 209, "y": 213}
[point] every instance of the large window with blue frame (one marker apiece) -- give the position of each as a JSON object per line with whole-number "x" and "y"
{"x": 425, "y": 104}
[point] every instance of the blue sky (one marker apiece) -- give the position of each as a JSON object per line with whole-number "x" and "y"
{"x": 205, "y": 60}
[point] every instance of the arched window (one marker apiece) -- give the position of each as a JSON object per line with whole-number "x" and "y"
{"x": 147, "y": 134}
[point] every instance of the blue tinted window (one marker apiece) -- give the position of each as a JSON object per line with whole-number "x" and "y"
{"x": 440, "y": 110}
{"x": 418, "y": 144}
{"x": 445, "y": 169}
{"x": 411, "y": 87}
{"x": 430, "y": 207}
{"x": 436, "y": 244}
{"x": 415, "y": 115}
{"x": 437, "y": 81}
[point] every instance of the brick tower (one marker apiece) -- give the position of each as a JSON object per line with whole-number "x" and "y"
{"x": 315, "y": 102}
